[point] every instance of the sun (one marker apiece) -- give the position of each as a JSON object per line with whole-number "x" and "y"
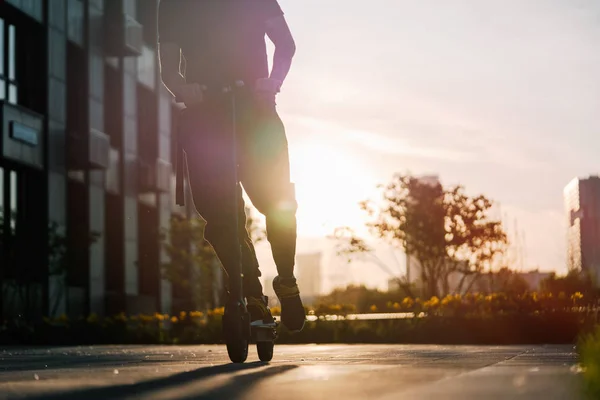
{"x": 331, "y": 180}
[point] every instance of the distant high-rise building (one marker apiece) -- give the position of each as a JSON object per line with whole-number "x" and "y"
{"x": 582, "y": 204}
{"x": 309, "y": 274}
{"x": 268, "y": 290}
{"x": 393, "y": 285}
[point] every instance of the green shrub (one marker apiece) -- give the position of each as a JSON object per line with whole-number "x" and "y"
{"x": 589, "y": 351}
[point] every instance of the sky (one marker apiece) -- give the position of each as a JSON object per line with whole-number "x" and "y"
{"x": 501, "y": 96}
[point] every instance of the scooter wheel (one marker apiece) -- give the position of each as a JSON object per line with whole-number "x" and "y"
{"x": 265, "y": 351}
{"x": 237, "y": 350}
{"x": 236, "y": 331}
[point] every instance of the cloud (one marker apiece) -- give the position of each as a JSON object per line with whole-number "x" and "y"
{"x": 381, "y": 143}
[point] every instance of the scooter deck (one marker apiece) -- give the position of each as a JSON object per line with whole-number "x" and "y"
{"x": 264, "y": 332}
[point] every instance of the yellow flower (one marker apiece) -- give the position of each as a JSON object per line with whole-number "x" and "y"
{"x": 218, "y": 311}
{"x": 407, "y": 303}
{"x": 433, "y": 302}
{"x": 174, "y": 319}
{"x": 93, "y": 317}
{"x": 447, "y": 300}
{"x": 575, "y": 297}
{"x": 161, "y": 317}
{"x": 121, "y": 317}
{"x": 373, "y": 308}
{"x": 182, "y": 315}
{"x": 146, "y": 318}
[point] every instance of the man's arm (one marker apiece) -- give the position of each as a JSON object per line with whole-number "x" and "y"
{"x": 169, "y": 55}
{"x": 279, "y": 33}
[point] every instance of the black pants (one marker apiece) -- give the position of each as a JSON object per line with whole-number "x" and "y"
{"x": 263, "y": 170}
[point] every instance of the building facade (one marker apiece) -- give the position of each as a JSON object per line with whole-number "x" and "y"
{"x": 86, "y": 177}
{"x": 582, "y": 206}
{"x": 310, "y": 277}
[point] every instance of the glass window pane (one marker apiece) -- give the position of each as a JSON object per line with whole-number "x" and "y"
{"x": 11, "y": 52}
{"x": 2, "y": 89}
{"x": 129, "y": 8}
{"x": 1, "y": 46}
{"x": 13, "y": 97}
{"x": 1, "y": 196}
{"x": 13, "y": 199}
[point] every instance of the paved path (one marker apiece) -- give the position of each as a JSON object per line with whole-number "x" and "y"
{"x": 332, "y": 372}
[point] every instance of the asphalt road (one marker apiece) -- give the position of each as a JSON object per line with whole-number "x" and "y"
{"x": 332, "y": 372}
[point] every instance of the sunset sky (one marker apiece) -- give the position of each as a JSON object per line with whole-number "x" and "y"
{"x": 502, "y": 96}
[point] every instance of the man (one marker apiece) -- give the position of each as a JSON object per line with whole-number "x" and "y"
{"x": 220, "y": 42}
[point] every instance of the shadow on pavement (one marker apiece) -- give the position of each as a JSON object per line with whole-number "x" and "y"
{"x": 231, "y": 390}
{"x": 239, "y": 385}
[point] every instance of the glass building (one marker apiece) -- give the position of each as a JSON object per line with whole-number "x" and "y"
{"x": 582, "y": 204}
{"x": 85, "y": 159}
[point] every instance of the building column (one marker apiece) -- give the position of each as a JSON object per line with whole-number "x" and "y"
{"x": 130, "y": 169}
{"x": 164, "y": 199}
{"x": 56, "y": 128}
{"x": 96, "y": 178}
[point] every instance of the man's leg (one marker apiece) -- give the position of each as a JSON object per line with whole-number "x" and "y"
{"x": 252, "y": 286}
{"x": 265, "y": 175}
{"x": 210, "y": 170}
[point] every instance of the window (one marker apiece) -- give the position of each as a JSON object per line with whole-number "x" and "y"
{"x": 147, "y": 124}
{"x": 146, "y": 15}
{"x": 8, "y": 68}
{"x": 146, "y": 64}
{"x": 1, "y": 199}
{"x": 23, "y": 72}
{"x": 12, "y": 79}
{"x": 77, "y": 104}
{"x": 75, "y": 21}
{"x": 12, "y": 191}
{"x": 2, "y": 237}
{"x": 130, "y": 8}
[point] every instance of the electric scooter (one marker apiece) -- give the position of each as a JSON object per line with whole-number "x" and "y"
{"x": 238, "y": 331}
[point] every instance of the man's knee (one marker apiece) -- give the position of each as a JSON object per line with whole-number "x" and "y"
{"x": 277, "y": 201}
{"x": 220, "y": 228}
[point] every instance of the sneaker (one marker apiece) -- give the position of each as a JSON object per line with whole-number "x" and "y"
{"x": 260, "y": 314}
{"x": 292, "y": 309}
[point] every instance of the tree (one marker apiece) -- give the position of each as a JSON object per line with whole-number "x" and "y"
{"x": 361, "y": 298}
{"x": 192, "y": 263}
{"x": 23, "y": 278}
{"x": 446, "y": 231}
{"x": 58, "y": 245}
{"x": 575, "y": 281}
{"x": 350, "y": 246}
{"x": 190, "y": 260}
{"x": 257, "y": 232}
{"x": 504, "y": 281}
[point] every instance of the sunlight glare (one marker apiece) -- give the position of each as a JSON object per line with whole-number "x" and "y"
{"x": 330, "y": 182}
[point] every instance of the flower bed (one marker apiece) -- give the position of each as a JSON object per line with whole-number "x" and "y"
{"x": 471, "y": 319}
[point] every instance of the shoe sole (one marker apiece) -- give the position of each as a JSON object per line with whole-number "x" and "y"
{"x": 261, "y": 324}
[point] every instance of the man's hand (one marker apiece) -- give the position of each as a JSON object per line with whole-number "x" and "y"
{"x": 190, "y": 94}
{"x": 266, "y": 89}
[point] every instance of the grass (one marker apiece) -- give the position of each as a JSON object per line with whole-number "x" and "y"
{"x": 589, "y": 352}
